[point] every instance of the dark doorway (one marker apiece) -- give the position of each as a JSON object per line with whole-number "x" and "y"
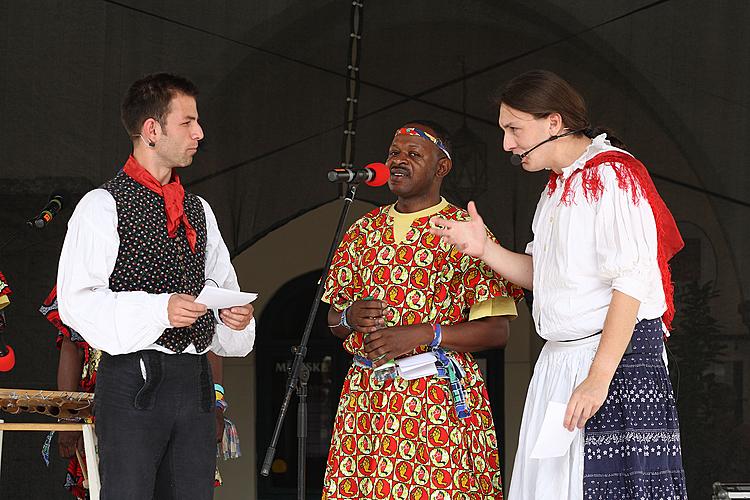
{"x": 279, "y": 329}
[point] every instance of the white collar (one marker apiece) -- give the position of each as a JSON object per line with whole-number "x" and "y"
{"x": 598, "y": 144}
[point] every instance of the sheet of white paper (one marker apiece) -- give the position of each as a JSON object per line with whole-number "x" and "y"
{"x": 554, "y": 439}
{"x": 221, "y": 298}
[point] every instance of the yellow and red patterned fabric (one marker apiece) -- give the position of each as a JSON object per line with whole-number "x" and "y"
{"x": 5, "y": 291}
{"x": 91, "y": 356}
{"x": 402, "y": 439}
{"x": 74, "y": 477}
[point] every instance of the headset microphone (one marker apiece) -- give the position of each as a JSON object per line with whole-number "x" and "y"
{"x": 516, "y": 159}
{"x": 147, "y": 143}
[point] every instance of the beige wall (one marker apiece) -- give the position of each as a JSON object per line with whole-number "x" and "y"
{"x": 294, "y": 249}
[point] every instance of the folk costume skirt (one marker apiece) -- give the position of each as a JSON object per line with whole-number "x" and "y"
{"x": 629, "y": 450}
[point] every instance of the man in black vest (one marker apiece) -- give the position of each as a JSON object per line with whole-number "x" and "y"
{"x": 137, "y": 253}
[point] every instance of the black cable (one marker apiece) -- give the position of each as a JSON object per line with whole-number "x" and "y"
{"x": 407, "y": 97}
{"x": 411, "y": 97}
{"x": 224, "y": 37}
{"x": 505, "y": 61}
{"x": 502, "y": 63}
{"x": 701, "y": 190}
{"x": 260, "y": 156}
{"x": 329, "y": 71}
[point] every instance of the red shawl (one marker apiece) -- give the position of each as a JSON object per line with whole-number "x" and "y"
{"x": 632, "y": 176}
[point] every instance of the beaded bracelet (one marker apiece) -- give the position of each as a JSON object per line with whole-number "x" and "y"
{"x": 438, "y": 335}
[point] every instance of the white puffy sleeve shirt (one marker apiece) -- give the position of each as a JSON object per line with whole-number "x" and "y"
{"x": 585, "y": 250}
{"x": 123, "y": 322}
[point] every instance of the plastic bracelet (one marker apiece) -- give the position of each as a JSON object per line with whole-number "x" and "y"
{"x": 438, "y": 335}
{"x": 219, "y": 388}
{"x": 342, "y": 321}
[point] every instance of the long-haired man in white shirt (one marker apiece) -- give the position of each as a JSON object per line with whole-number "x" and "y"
{"x": 602, "y": 300}
{"x": 137, "y": 253}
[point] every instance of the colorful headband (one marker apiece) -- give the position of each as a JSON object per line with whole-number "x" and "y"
{"x": 424, "y": 135}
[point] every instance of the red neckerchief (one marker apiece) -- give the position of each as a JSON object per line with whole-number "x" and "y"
{"x": 173, "y": 194}
{"x": 632, "y": 176}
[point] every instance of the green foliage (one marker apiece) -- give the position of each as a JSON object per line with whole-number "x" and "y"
{"x": 695, "y": 345}
{"x": 704, "y": 404}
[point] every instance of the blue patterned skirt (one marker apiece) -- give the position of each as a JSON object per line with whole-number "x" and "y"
{"x": 632, "y": 444}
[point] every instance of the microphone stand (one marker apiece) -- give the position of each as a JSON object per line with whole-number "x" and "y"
{"x": 15, "y": 234}
{"x": 299, "y": 373}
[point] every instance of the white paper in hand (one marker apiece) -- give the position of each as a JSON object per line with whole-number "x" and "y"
{"x": 221, "y": 298}
{"x": 554, "y": 439}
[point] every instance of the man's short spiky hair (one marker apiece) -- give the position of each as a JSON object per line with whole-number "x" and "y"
{"x": 149, "y": 97}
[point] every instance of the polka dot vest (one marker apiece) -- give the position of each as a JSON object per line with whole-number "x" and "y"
{"x": 149, "y": 260}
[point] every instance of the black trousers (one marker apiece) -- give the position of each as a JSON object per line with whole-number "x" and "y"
{"x": 162, "y": 424}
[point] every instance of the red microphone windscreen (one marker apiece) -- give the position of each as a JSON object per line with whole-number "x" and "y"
{"x": 381, "y": 174}
{"x": 7, "y": 361}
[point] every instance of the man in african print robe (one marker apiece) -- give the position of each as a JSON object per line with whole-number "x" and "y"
{"x": 396, "y": 291}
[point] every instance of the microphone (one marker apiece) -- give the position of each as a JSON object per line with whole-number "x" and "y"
{"x": 54, "y": 205}
{"x": 516, "y": 159}
{"x": 7, "y": 356}
{"x": 374, "y": 174}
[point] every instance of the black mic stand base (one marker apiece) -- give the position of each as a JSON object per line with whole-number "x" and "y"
{"x": 304, "y": 376}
